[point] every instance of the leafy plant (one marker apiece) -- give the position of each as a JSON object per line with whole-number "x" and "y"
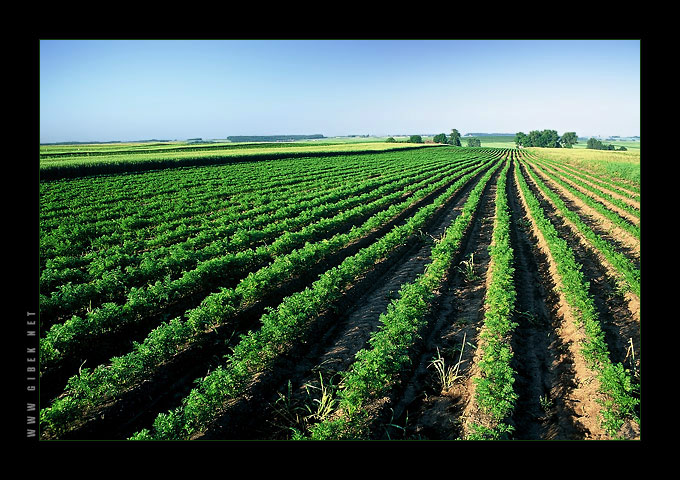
{"x": 468, "y": 269}
{"x": 447, "y": 375}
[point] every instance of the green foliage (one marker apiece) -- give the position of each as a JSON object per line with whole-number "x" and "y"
{"x": 454, "y": 139}
{"x": 440, "y": 138}
{"x": 415, "y": 139}
{"x": 474, "y": 142}
{"x": 615, "y": 381}
{"x": 376, "y": 369}
{"x": 595, "y": 144}
{"x": 536, "y": 138}
{"x": 569, "y": 139}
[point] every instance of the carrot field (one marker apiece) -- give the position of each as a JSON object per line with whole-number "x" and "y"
{"x": 335, "y": 292}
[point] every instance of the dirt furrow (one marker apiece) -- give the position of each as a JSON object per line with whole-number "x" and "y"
{"x": 618, "y": 313}
{"x": 632, "y": 219}
{"x": 625, "y": 243}
{"x": 613, "y": 193}
{"x": 574, "y": 396}
{"x": 342, "y": 332}
{"x": 172, "y": 381}
{"x": 536, "y": 346}
{"x": 424, "y": 408}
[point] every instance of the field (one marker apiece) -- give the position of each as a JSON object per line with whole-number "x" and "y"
{"x": 325, "y": 292}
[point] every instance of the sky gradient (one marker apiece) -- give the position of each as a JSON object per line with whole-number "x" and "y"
{"x": 103, "y": 90}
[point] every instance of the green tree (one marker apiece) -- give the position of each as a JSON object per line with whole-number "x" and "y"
{"x": 415, "y": 139}
{"x": 390, "y": 140}
{"x": 474, "y": 142}
{"x": 455, "y": 138}
{"x": 594, "y": 144}
{"x": 440, "y": 138}
{"x": 521, "y": 139}
{"x": 568, "y": 139}
{"x": 549, "y": 139}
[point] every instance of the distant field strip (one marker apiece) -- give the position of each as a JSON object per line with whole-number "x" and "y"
{"x": 74, "y": 164}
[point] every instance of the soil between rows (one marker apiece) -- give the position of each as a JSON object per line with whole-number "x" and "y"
{"x": 99, "y": 349}
{"x": 617, "y": 317}
{"x": 575, "y": 392}
{"x": 137, "y": 408}
{"x": 338, "y": 337}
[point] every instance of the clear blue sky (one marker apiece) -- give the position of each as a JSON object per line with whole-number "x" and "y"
{"x": 174, "y": 89}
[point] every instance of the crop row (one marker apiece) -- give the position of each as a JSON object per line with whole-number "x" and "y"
{"x": 105, "y": 382}
{"x": 595, "y": 200}
{"x": 494, "y": 387}
{"x": 233, "y": 234}
{"x": 64, "y": 168}
{"x": 376, "y": 369}
{"x": 628, "y": 273}
{"x": 183, "y": 202}
{"x": 615, "y": 380}
{"x": 276, "y": 261}
{"x": 283, "y": 328}
{"x": 626, "y": 191}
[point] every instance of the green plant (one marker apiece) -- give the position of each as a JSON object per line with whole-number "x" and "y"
{"x": 468, "y": 268}
{"x": 325, "y": 404}
{"x": 447, "y": 375}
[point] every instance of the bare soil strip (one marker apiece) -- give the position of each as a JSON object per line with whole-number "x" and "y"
{"x": 577, "y": 389}
{"x": 619, "y": 314}
{"x": 613, "y": 193}
{"x": 624, "y": 214}
{"x": 342, "y": 331}
{"x": 422, "y": 409}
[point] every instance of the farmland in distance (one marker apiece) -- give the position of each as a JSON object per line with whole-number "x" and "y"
{"x": 362, "y": 291}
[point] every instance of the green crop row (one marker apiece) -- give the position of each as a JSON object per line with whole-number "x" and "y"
{"x": 602, "y": 182}
{"x": 94, "y": 212}
{"x": 494, "y": 388}
{"x": 621, "y": 393}
{"x": 376, "y": 369}
{"x": 91, "y": 387}
{"x": 628, "y": 273}
{"x": 281, "y": 330}
{"x": 596, "y": 192}
{"x": 137, "y": 162}
{"x": 283, "y": 230}
{"x": 254, "y": 269}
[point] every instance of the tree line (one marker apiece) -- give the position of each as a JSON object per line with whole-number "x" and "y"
{"x": 536, "y": 138}
{"x": 546, "y": 138}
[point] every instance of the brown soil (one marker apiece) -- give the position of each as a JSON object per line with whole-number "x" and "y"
{"x": 625, "y": 242}
{"x": 619, "y": 314}
{"x": 333, "y": 349}
{"x": 557, "y": 392}
{"x": 633, "y": 203}
{"x": 165, "y": 388}
{"x": 624, "y": 214}
{"x": 579, "y": 392}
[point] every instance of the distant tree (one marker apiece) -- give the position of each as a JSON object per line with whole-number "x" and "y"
{"x": 594, "y": 144}
{"x": 568, "y": 139}
{"x": 455, "y": 138}
{"x": 440, "y": 138}
{"x": 536, "y": 138}
{"x": 415, "y": 139}
{"x": 474, "y": 142}
{"x": 391, "y": 140}
{"x": 549, "y": 139}
{"x": 622, "y": 148}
